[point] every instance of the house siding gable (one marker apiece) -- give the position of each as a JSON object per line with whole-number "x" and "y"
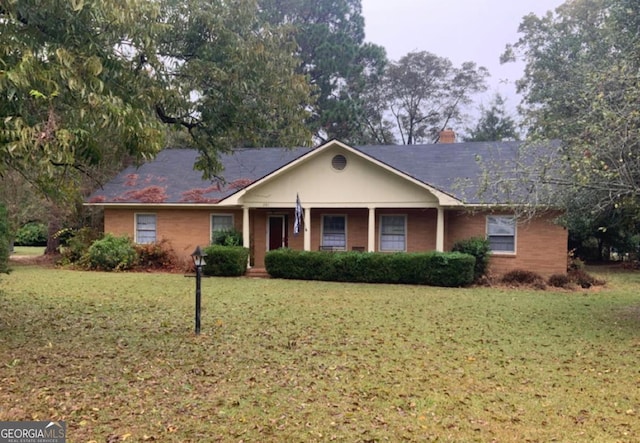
{"x": 361, "y": 183}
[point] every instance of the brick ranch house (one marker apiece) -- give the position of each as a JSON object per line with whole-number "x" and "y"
{"x": 366, "y": 198}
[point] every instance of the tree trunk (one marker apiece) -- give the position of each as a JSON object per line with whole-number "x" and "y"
{"x": 54, "y": 225}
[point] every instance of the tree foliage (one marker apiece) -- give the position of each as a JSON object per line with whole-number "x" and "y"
{"x": 581, "y": 86}
{"x": 330, "y": 44}
{"x": 230, "y": 78}
{"x": 494, "y": 124}
{"x": 422, "y": 94}
{"x": 73, "y": 81}
{"x": 85, "y": 80}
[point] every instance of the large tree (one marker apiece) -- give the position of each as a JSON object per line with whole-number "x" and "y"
{"x": 581, "y": 86}
{"x": 86, "y": 80}
{"x": 230, "y": 78}
{"x": 87, "y": 87}
{"x": 494, "y": 124}
{"x": 330, "y": 44}
{"x": 426, "y": 93}
{"x": 74, "y": 83}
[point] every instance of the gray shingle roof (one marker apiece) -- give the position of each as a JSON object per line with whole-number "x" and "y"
{"x": 456, "y": 169}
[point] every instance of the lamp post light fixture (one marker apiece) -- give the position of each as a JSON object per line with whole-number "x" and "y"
{"x": 198, "y": 260}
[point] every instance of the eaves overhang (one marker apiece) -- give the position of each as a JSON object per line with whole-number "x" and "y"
{"x": 444, "y": 198}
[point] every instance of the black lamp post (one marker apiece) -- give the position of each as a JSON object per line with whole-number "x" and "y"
{"x": 198, "y": 260}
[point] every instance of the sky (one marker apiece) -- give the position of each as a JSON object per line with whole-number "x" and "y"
{"x": 460, "y": 30}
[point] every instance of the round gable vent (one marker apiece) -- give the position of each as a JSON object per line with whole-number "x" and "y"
{"x": 339, "y": 162}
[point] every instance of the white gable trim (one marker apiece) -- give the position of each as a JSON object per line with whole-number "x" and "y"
{"x": 444, "y": 199}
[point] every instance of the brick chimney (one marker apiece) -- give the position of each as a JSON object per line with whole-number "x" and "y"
{"x": 447, "y": 136}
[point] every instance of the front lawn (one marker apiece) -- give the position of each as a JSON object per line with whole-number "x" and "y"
{"x": 114, "y": 355}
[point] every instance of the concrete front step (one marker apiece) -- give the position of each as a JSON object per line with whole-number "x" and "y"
{"x": 257, "y": 273}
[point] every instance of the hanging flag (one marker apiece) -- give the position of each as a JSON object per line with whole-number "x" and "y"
{"x": 299, "y": 217}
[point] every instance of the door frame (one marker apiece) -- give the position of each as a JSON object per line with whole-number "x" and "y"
{"x": 284, "y": 240}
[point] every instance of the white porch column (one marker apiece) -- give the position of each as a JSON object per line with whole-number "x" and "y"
{"x": 246, "y": 241}
{"x": 371, "y": 237}
{"x": 307, "y": 229}
{"x": 440, "y": 231}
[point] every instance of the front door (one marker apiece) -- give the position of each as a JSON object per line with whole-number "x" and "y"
{"x": 277, "y": 235}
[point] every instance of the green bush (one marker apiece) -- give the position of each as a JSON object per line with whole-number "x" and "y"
{"x": 480, "y": 249}
{"x": 76, "y": 243}
{"x": 432, "y": 268}
{"x": 4, "y": 240}
{"x": 450, "y": 269}
{"x": 112, "y": 254}
{"x": 228, "y": 237}
{"x": 32, "y": 234}
{"x": 225, "y": 261}
{"x": 298, "y": 265}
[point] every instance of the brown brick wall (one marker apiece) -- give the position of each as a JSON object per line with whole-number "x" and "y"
{"x": 541, "y": 245}
{"x": 183, "y": 229}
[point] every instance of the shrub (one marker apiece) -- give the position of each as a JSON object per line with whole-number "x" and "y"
{"x": 112, "y": 254}
{"x": 450, "y": 269}
{"x": 433, "y": 268}
{"x": 155, "y": 256}
{"x": 225, "y": 261}
{"x": 76, "y": 243}
{"x": 583, "y": 279}
{"x": 559, "y": 281}
{"x": 480, "y": 249}
{"x": 523, "y": 277}
{"x": 32, "y": 234}
{"x": 228, "y": 237}
{"x": 299, "y": 265}
{"x": 4, "y": 240}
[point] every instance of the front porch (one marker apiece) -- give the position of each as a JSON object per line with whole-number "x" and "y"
{"x": 366, "y": 229}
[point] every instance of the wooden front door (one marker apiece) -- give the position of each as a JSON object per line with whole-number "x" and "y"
{"x": 277, "y": 235}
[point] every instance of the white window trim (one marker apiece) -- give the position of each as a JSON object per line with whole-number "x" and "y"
{"x": 346, "y": 229}
{"x": 404, "y": 216}
{"x": 135, "y": 226}
{"x": 515, "y": 234}
{"x": 219, "y": 214}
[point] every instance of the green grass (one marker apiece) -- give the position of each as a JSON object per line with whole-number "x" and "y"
{"x": 114, "y": 355}
{"x": 28, "y": 250}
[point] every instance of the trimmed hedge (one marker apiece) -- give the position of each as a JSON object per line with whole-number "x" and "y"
{"x": 450, "y": 269}
{"x": 112, "y": 253}
{"x": 225, "y": 261}
{"x": 480, "y": 249}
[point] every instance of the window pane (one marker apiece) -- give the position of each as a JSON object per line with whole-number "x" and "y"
{"x": 221, "y": 223}
{"x": 145, "y": 228}
{"x": 501, "y": 233}
{"x": 392, "y": 233}
{"x": 501, "y": 226}
{"x": 333, "y": 231}
{"x": 502, "y": 243}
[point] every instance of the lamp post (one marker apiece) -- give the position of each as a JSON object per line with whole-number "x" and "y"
{"x": 198, "y": 260}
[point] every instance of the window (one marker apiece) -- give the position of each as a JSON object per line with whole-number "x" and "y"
{"x": 501, "y": 233}
{"x": 220, "y": 225}
{"x": 221, "y": 222}
{"x": 145, "y": 228}
{"x": 393, "y": 230}
{"x": 334, "y": 231}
